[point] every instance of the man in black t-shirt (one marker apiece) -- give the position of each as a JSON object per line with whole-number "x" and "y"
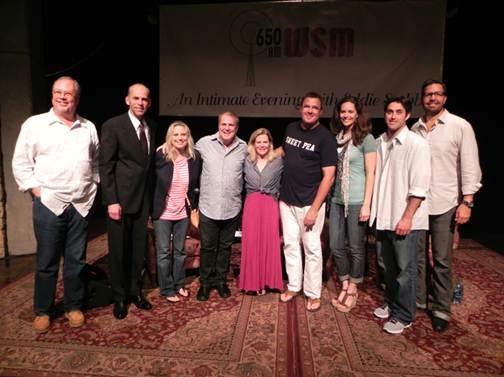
{"x": 310, "y": 159}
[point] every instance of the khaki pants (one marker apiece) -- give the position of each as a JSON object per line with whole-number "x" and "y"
{"x": 294, "y": 232}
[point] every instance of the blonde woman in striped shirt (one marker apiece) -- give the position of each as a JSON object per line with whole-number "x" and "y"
{"x": 178, "y": 167}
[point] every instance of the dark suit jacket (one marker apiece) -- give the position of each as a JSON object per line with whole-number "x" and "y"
{"x": 126, "y": 174}
{"x": 164, "y": 175}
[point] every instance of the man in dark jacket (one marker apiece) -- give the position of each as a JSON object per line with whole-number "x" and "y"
{"x": 128, "y": 146}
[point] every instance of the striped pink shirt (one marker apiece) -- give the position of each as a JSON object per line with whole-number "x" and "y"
{"x": 175, "y": 200}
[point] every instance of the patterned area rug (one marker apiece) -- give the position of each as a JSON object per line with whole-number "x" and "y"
{"x": 258, "y": 336}
{"x": 354, "y": 344}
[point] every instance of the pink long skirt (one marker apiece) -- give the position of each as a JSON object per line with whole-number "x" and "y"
{"x": 260, "y": 265}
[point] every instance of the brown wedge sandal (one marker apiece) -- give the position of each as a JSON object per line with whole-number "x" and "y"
{"x": 335, "y": 300}
{"x": 348, "y": 303}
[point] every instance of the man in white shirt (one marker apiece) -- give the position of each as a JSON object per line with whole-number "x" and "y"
{"x": 401, "y": 212}
{"x": 456, "y": 177}
{"x": 56, "y": 160}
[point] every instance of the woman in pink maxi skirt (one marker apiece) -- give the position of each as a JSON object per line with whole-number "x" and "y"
{"x": 261, "y": 266}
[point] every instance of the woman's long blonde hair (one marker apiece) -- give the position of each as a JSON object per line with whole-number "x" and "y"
{"x": 251, "y": 149}
{"x": 168, "y": 149}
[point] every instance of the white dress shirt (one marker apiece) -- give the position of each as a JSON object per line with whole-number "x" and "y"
{"x": 62, "y": 160}
{"x": 454, "y": 158}
{"x": 136, "y": 123}
{"x": 402, "y": 170}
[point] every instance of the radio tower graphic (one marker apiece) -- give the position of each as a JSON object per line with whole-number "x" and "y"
{"x": 243, "y": 33}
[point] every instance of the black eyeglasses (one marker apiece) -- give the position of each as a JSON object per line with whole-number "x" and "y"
{"x": 434, "y": 94}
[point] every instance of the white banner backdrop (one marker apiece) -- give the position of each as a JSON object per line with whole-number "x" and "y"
{"x": 258, "y": 59}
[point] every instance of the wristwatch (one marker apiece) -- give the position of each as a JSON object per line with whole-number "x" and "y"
{"x": 468, "y": 204}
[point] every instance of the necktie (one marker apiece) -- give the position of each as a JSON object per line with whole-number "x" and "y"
{"x": 143, "y": 139}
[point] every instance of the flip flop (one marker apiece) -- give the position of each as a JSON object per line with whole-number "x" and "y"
{"x": 173, "y": 299}
{"x": 287, "y": 295}
{"x": 183, "y": 292}
{"x": 313, "y": 304}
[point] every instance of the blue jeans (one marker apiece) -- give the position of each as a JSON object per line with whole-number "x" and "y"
{"x": 350, "y": 262}
{"x": 59, "y": 236}
{"x": 216, "y": 239}
{"x": 171, "y": 276}
{"x": 399, "y": 255}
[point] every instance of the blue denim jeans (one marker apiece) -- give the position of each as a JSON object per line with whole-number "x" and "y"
{"x": 399, "y": 255}
{"x": 350, "y": 261}
{"x": 59, "y": 236}
{"x": 171, "y": 276}
{"x": 216, "y": 239}
{"x": 437, "y": 281}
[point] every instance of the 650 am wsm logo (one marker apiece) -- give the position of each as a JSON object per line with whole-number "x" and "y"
{"x": 253, "y": 32}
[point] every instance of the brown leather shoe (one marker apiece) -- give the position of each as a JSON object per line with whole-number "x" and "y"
{"x": 41, "y": 323}
{"x": 75, "y": 318}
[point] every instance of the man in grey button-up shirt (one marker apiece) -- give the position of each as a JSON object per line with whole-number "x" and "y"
{"x": 223, "y": 155}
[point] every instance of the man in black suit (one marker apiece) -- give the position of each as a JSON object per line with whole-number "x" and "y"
{"x": 126, "y": 155}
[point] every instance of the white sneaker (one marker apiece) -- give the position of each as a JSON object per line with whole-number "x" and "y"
{"x": 382, "y": 312}
{"x": 395, "y": 326}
